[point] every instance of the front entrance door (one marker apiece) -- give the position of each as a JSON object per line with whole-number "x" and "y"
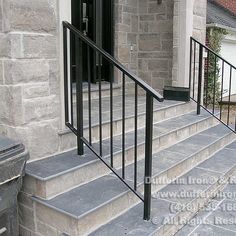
{"x": 95, "y": 19}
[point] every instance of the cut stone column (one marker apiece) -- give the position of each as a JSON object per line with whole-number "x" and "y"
{"x": 189, "y": 20}
{"x": 29, "y": 74}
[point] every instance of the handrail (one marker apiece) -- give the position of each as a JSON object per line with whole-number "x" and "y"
{"x": 115, "y": 62}
{"x": 209, "y": 79}
{"x": 210, "y": 50}
{"x": 84, "y": 45}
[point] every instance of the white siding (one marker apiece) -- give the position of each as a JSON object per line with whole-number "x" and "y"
{"x": 228, "y": 52}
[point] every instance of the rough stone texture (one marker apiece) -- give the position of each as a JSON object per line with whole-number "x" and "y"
{"x": 1, "y": 16}
{"x": 26, "y": 71}
{"x": 40, "y": 109}
{"x": 45, "y": 131}
{"x": 27, "y": 15}
{"x": 36, "y": 90}
{"x": 29, "y": 74}
{"x": 11, "y": 112}
{"x": 39, "y": 46}
{"x": 1, "y": 72}
{"x": 54, "y": 79}
{"x": 155, "y": 40}
{"x": 10, "y": 46}
{"x": 142, "y": 28}
{"x": 126, "y": 33}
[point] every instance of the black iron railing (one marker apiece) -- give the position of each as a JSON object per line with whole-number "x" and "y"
{"x": 212, "y": 83}
{"x": 99, "y": 55}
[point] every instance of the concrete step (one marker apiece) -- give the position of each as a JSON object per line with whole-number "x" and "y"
{"x": 57, "y": 174}
{"x": 180, "y": 201}
{"x": 83, "y": 209}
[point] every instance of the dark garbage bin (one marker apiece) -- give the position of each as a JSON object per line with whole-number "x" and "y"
{"x": 13, "y": 157}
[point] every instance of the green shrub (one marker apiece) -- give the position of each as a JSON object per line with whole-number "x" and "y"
{"x": 215, "y": 36}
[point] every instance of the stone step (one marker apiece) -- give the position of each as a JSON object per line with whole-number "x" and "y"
{"x": 95, "y": 90}
{"x": 52, "y": 176}
{"x": 162, "y": 111}
{"x": 85, "y": 208}
{"x": 218, "y": 216}
{"x": 180, "y": 201}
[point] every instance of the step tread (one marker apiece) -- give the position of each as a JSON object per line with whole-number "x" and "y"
{"x": 65, "y": 162}
{"x": 131, "y": 222}
{"x": 171, "y": 156}
{"x": 104, "y": 189}
{"x": 204, "y": 220}
{"x": 79, "y": 201}
{"x": 95, "y": 87}
{"x": 117, "y": 108}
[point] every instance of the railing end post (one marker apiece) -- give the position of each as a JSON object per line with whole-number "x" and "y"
{"x": 79, "y": 95}
{"x": 146, "y": 213}
{"x": 200, "y": 72}
{"x": 80, "y": 145}
{"x": 148, "y": 157}
{"x": 147, "y": 198}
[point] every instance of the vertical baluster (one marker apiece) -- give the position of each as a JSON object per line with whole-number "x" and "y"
{"x": 72, "y": 72}
{"x": 89, "y": 95}
{"x": 79, "y": 94}
{"x": 214, "y": 85}
{"x": 100, "y": 101}
{"x": 135, "y": 135}
{"x": 235, "y": 124}
{"x": 123, "y": 125}
{"x": 199, "y": 94}
{"x": 190, "y": 63}
{"x": 65, "y": 57}
{"x": 230, "y": 85}
{"x": 111, "y": 121}
{"x": 222, "y": 87}
{"x": 148, "y": 157}
{"x": 207, "y": 78}
{"x": 194, "y": 69}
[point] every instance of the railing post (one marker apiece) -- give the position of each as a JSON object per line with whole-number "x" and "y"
{"x": 190, "y": 64}
{"x": 148, "y": 157}
{"x": 79, "y": 94}
{"x": 199, "y": 94}
{"x": 65, "y": 58}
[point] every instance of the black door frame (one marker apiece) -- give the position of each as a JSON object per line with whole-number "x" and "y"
{"x": 103, "y": 36}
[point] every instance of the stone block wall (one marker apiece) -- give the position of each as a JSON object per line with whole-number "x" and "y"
{"x": 147, "y": 40}
{"x": 144, "y": 39}
{"x": 155, "y": 42}
{"x": 126, "y": 33}
{"x": 29, "y": 74}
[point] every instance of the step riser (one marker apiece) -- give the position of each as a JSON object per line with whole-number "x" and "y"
{"x": 68, "y": 139}
{"x": 60, "y": 184}
{"x": 186, "y": 165}
{"x": 195, "y": 206}
{"x": 158, "y": 116}
{"x": 103, "y": 214}
{"x": 84, "y": 225}
{"x": 95, "y": 94}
